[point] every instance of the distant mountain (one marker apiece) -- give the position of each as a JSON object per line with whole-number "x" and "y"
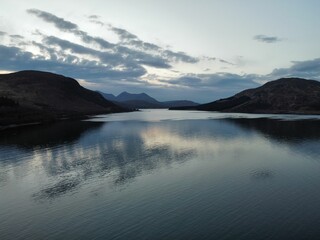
{"x": 125, "y": 96}
{"x": 109, "y": 97}
{"x": 286, "y": 95}
{"x": 33, "y": 96}
{"x": 143, "y": 100}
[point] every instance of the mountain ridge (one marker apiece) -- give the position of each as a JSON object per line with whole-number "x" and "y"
{"x": 285, "y": 95}
{"x": 143, "y": 100}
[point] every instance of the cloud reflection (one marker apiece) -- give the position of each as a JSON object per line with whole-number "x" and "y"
{"x": 117, "y": 153}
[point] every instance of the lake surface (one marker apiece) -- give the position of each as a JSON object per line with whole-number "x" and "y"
{"x": 161, "y": 174}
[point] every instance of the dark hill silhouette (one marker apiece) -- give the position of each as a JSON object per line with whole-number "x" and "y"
{"x": 286, "y": 95}
{"x": 109, "y": 97}
{"x": 143, "y": 100}
{"x": 34, "y": 96}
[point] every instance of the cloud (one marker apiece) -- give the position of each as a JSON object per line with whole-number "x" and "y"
{"x": 124, "y": 34}
{"x": 130, "y": 39}
{"x": 127, "y": 40}
{"x": 15, "y": 36}
{"x": 226, "y": 62}
{"x": 124, "y": 64}
{"x": 50, "y": 18}
{"x": 188, "y": 80}
{"x": 267, "y": 39}
{"x": 223, "y": 82}
{"x": 66, "y": 58}
{"x": 305, "y": 69}
{"x": 179, "y": 56}
{"x": 94, "y": 17}
{"x": 219, "y": 85}
{"x": 13, "y": 59}
{"x": 85, "y": 37}
{"x": 159, "y": 59}
{"x": 214, "y": 59}
{"x": 116, "y": 58}
{"x": 67, "y": 26}
{"x": 97, "y": 22}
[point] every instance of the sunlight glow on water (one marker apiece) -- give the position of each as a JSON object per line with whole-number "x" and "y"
{"x": 161, "y": 174}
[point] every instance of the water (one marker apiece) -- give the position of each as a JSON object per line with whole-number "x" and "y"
{"x": 161, "y": 174}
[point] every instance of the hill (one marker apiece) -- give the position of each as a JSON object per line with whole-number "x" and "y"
{"x": 34, "y": 96}
{"x": 143, "y": 100}
{"x": 286, "y": 95}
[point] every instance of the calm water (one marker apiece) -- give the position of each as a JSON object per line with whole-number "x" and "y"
{"x": 161, "y": 174}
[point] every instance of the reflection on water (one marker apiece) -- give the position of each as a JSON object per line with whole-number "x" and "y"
{"x": 286, "y": 131}
{"x": 262, "y": 174}
{"x": 144, "y": 179}
{"x": 121, "y": 151}
{"x": 62, "y": 187}
{"x": 49, "y": 135}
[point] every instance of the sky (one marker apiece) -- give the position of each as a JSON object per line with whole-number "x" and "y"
{"x": 170, "y": 49}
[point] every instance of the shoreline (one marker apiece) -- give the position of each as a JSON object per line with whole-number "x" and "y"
{"x": 52, "y": 120}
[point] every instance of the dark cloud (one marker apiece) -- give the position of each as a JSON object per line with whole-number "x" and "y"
{"x": 214, "y": 59}
{"x": 13, "y": 59}
{"x": 118, "y": 51}
{"x": 121, "y": 56}
{"x": 143, "y": 57}
{"x": 219, "y": 85}
{"x": 209, "y": 58}
{"x": 113, "y": 59}
{"x": 2, "y": 33}
{"x": 188, "y": 81}
{"x": 159, "y": 59}
{"x": 130, "y": 39}
{"x": 179, "y": 56}
{"x": 66, "y": 58}
{"x": 305, "y": 69}
{"x": 50, "y": 18}
{"x": 142, "y": 45}
{"x": 85, "y": 37}
{"x": 67, "y": 26}
{"x": 15, "y": 36}
{"x": 232, "y": 82}
{"x": 154, "y": 62}
{"x": 67, "y": 45}
{"x": 123, "y": 64}
{"x": 204, "y": 87}
{"x": 218, "y": 81}
{"x": 123, "y": 34}
{"x": 226, "y": 62}
{"x": 93, "y": 17}
{"x": 97, "y": 22}
{"x": 267, "y": 39}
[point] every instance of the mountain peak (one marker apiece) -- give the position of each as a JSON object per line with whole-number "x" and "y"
{"x": 143, "y": 100}
{"x": 124, "y": 93}
{"x": 125, "y": 96}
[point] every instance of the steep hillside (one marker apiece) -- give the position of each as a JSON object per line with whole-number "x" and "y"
{"x": 286, "y": 95}
{"x": 32, "y": 96}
